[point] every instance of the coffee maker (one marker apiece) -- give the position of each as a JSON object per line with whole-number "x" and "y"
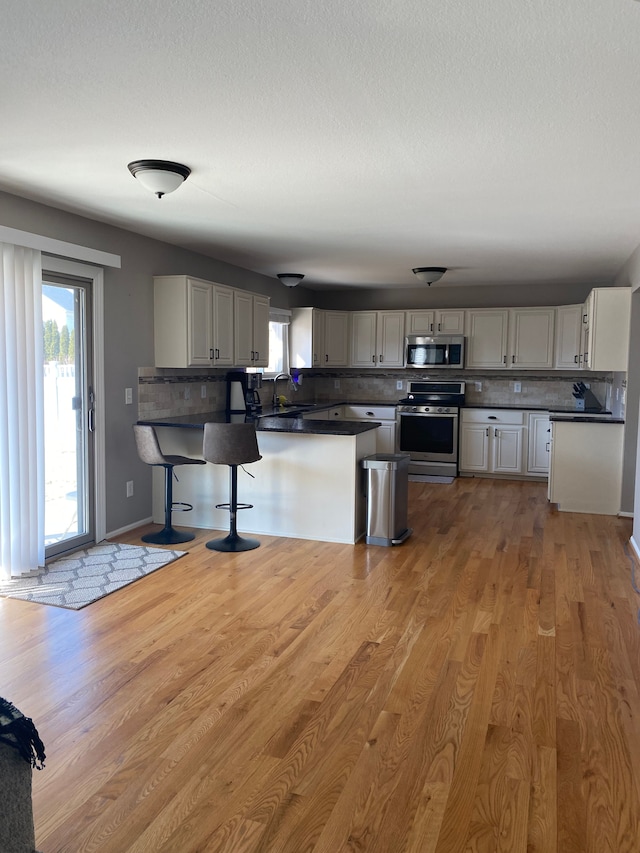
{"x": 242, "y": 393}
{"x": 251, "y": 396}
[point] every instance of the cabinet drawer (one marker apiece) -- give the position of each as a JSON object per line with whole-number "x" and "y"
{"x": 369, "y": 413}
{"x": 493, "y": 417}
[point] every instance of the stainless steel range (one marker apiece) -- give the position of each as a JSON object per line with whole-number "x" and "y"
{"x": 427, "y": 427}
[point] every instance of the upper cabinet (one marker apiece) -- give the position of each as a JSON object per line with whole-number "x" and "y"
{"x": 319, "y": 338}
{"x": 531, "y": 337}
{"x": 487, "y": 338}
{"x": 444, "y": 322}
{"x": 377, "y": 339}
{"x": 195, "y": 323}
{"x": 519, "y": 338}
{"x": 250, "y": 329}
{"x": 606, "y": 319}
{"x": 568, "y": 337}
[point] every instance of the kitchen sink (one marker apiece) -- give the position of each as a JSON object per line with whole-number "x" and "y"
{"x": 297, "y": 406}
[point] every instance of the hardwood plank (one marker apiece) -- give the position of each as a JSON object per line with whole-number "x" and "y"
{"x": 477, "y": 688}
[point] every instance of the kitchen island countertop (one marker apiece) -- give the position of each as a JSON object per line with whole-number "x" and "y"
{"x": 269, "y": 423}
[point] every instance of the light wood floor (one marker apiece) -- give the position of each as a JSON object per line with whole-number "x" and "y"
{"x": 475, "y": 689}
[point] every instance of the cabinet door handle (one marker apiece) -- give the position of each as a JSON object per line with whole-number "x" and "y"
{"x": 326, "y": 358}
{"x": 513, "y": 359}
{"x": 487, "y": 432}
{"x": 575, "y": 359}
{"x": 548, "y": 443}
{"x": 211, "y": 355}
{"x": 257, "y": 355}
{"x": 504, "y": 359}
{"x": 492, "y": 417}
{"x": 217, "y": 353}
{"x": 373, "y": 359}
{"x": 431, "y": 327}
{"x": 369, "y": 414}
{"x": 380, "y": 358}
{"x": 584, "y": 319}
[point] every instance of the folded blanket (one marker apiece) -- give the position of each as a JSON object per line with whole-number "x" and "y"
{"x": 18, "y": 731}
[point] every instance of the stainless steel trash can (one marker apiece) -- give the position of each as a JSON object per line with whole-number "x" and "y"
{"x": 387, "y": 498}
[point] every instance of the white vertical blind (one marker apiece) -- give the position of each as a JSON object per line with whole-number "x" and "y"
{"x": 21, "y": 412}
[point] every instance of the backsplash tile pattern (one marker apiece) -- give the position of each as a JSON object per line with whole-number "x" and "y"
{"x": 163, "y": 392}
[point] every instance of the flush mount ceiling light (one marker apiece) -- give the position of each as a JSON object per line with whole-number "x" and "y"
{"x": 429, "y": 274}
{"x": 159, "y": 176}
{"x": 290, "y": 279}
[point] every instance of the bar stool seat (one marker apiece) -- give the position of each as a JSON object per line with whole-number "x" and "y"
{"x": 232, "y": 445}
{"x": 149, "y": 452}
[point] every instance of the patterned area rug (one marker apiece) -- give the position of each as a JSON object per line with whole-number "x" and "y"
{"x": 85, "y": 576}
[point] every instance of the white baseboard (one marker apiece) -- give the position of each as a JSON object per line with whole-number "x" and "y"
{"x": 129, "y": 527}
{"x": 636, "y": 549}
{"x": 625, "y": 514}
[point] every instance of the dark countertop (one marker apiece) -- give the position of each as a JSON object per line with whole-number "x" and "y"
{"x": 266, "y": 423}
{"x": 584, "y": 419}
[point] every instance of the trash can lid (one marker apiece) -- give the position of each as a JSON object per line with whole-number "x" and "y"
{"x": 385, "y": 460}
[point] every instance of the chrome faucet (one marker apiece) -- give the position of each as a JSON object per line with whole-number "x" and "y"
{"x": 275, "y": 387}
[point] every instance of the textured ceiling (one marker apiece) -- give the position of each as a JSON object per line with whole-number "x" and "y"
{"x": 349, "y": 141}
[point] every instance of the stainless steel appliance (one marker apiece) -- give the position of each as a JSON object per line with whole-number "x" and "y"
{"x": 427, "y": 427}
{"x": 434, "y": 351}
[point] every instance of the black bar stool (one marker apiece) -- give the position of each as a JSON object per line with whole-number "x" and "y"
{"x": 149, "y": 452}
{"x": 232, "y": 445}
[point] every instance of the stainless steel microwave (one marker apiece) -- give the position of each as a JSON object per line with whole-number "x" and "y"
{"x": 434, "y": 351}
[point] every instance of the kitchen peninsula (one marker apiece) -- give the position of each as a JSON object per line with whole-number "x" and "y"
{"x": 308, "y": 484}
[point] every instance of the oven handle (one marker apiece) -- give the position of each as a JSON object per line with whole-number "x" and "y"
{"x": 427, "y": 415}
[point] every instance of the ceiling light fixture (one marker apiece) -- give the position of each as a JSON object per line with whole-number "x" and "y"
{"x": 290, "y": 279}
{"x": 159, "y": 176}
{"x": 429, "y": 274}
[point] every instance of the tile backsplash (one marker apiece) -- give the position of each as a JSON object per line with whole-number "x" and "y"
{"x": 165, "y": 393}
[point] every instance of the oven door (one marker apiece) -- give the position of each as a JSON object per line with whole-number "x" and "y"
{"x": 428, "y": 437}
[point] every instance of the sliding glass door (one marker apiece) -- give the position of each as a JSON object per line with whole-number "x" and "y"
{"x": 68, "y": 414}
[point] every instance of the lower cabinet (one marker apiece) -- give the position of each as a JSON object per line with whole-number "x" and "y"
{"x": 539, "y": 444}
{"x": 386, "y": 432}
{"x": 492, "y": 441}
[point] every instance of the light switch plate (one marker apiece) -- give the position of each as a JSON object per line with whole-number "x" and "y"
{"x": 399, "y": 384}
{"x": 517, "y": 387}
{"x": 128, "y": 396}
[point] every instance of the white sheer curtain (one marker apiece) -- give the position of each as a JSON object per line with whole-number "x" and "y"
{"x": 21, "y": 412}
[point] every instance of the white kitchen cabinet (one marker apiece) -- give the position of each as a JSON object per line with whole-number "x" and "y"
{"x": 193, "y": 322}
{"x": 605, "y": 331}
{"x": 319, "y": 338}
{"x": 531, "y": 337}
{"x": 568, "y": 351}
{"x": 586, "y": 466}
{"x": 377, "y": 339}
{"x": 336, "y": 339}
{"x": 222, "y": 342}
{"x": 487, "y": 338}
{"x": 520, "y": 338}
{"x": 251, "y": 329}
{"x": 491, "y": 441}
{"x": 442, "y": 322}
{"x": 538, "y": 443}
{"x": 386, "y": 432}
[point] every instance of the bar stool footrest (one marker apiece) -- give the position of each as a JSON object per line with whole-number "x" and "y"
{"x": 238, "y": 506}
{"x": 181, "y": 506}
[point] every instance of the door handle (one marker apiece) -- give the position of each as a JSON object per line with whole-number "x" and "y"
{"x": 211, "y": 355}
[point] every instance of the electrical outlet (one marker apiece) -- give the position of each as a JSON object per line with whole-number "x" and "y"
{"x": 478, "y": 386}
{"x": 336, "y": 384}
{"x": 517, "y": 387}
{"x": 187, "y": 392}
{"x": 203, "y": 392}
{"x": 129, "y": 488}
{"x": 128, "y": 396}
{"x": 399, "y": 384}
